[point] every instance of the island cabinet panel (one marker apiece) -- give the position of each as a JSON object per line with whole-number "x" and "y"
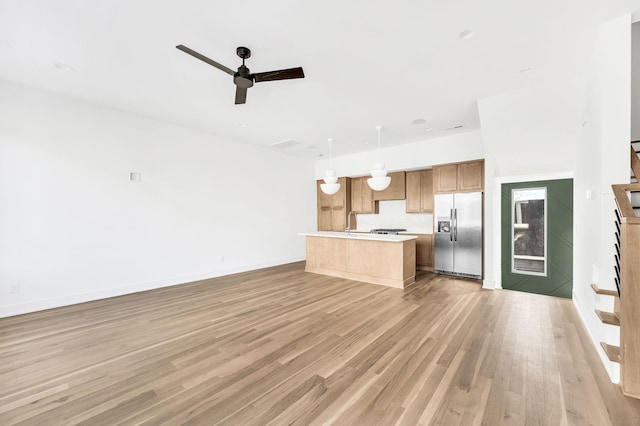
{"x": 389, "y": 263}
{"x": 419, "y": 191}
{"x": 459, "y": 177}
{"x": 376, "y": 259}
{"x": 396, "y": 189}
{"x": 327, "y": 253}
{"x": 333, "y": 209}
{"x": 362, "y": 196}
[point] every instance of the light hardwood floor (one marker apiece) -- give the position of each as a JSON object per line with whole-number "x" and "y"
{"x": 281, "y": 346}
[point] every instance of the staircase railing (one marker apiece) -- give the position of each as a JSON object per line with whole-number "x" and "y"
{"x": 628, "y": 247}
{"x": 621, "y": 193}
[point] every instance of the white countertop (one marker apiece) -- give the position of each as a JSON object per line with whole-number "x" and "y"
{"x": 361, "y": 236}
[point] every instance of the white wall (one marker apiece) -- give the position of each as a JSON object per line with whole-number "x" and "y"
{"x": 74, "y": 228}
{"x": 604, "y": 161}
{"x": 533, "y": 131}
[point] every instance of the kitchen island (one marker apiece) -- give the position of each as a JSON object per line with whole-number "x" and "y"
{"x": 388, "y": 260}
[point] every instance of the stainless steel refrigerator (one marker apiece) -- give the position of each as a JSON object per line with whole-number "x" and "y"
{"x": 458, "y": 234}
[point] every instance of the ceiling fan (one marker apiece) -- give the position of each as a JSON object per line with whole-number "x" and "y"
{"x": 242, "y": 78}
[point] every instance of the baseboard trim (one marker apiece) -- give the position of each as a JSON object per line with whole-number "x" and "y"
{"x": 73, "y": 299}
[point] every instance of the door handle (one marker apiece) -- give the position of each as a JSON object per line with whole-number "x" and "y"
{"x": 455, "y": 228}
{"x": 450, "y": 224}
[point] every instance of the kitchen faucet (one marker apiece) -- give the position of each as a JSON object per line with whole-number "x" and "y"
{"x": 348, "y": 230}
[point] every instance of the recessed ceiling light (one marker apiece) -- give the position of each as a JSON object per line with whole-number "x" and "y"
{"x": 525, "y": 70}
{"x": 365, "y": 142}
{"x": 63, "y": 67}
{"x": 466, "y": 34}
{"x": 419, "y": 121}
{"x": 428, "y": 129}
{"x": 311, "y": 147}
{"x": 243, "y": 125}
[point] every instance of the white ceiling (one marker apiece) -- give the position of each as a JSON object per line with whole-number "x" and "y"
{"x": 366, "y": 62}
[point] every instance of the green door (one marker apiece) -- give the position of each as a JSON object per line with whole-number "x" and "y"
{"x": 537, "y": 237}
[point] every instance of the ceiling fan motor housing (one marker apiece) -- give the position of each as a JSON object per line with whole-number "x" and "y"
{"x": 242, "y": 78}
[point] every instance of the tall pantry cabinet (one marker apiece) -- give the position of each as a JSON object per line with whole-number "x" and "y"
{"x": 333, "y": 209}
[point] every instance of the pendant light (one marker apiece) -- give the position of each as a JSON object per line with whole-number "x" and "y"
{"x": 379, "y": 180}
{"x": 330, "y": 185}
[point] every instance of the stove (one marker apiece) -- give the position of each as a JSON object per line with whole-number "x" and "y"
{"x": 393, "y": 231}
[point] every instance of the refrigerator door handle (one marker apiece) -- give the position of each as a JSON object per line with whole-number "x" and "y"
{"x": 450, "y": 224}
{"x": 455, "y": 226}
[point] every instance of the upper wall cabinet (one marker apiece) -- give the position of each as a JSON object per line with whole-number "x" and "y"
{"x": 362, "y": 196}
{"x": 471, "y": 176}
{"x": 395, "y": 191}
{"x": 419, "y": 189}
{"x": 333, "y": 209}
{"x": 459, "y": 177}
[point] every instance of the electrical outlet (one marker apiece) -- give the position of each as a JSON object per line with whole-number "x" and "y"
{"x": 14, "y": 288}
{"x": 221, "y": 259}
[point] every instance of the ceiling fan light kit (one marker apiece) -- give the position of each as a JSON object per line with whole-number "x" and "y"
{"x": 379, "y": 181}
{"x": 243, "y": 78}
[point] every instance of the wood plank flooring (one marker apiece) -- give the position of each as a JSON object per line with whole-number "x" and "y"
{"x": 281, "y": 346}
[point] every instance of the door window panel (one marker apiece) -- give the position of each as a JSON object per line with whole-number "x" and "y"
{"x": 529, "y": 231}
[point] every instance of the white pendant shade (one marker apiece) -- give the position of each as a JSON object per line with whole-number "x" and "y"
{"x": 330, "y": 185}
{"x": 378, "y": 170}
{"x": 330, "y": 188}
{"x": 330, "y": 176}
{"x": 379, "y": 181}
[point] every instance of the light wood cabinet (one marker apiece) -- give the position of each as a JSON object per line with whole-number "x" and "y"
{"x": 471, "y": 176}
{"x": 395, "y": 191}
{"x": 333, "y": 209}
{"x": 424, "y": 252}
{"x": 362, "y": 196}
{"x": 445, "y": 178}
{"x": 459, "y": 177}
{"x": 419, "y": 191}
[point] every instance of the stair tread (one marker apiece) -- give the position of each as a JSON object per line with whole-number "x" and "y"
{"x": 608, "y": 317}
{"x": 613, "y": 352}
{"x": 603, "y": 291}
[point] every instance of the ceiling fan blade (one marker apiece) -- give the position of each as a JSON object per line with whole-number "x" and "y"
{"x": 279, "y": 75}
{"x": 241, "y": 95}
{"x": 203, "y": 58}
